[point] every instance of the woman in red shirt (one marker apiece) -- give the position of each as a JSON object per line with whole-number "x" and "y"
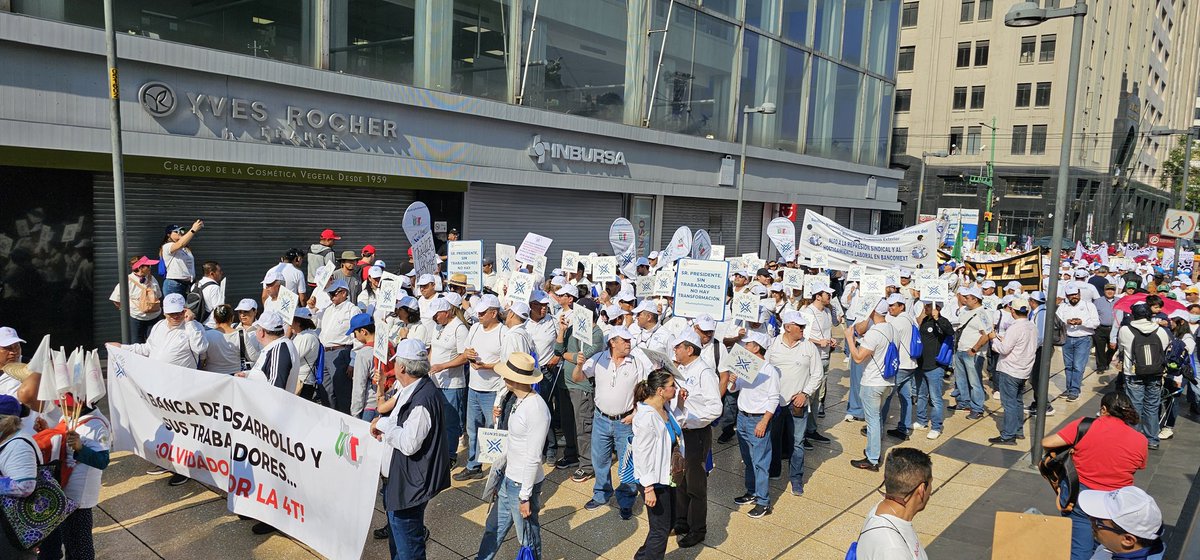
{"x": 1106, "y": 458}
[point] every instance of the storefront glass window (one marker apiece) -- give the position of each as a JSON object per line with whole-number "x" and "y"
{"x": 695, "y": 81}
{"x": 852, "y": 36}
{"x": 774, "y": 72}
{"x": 577, "y": 63}
{"x": 833, "y": 108}
{"x": 373, "y": 38}
{"x": 481, "y": 40}
{"x": 827, "y": 18}
{"x": 884, "y": 20}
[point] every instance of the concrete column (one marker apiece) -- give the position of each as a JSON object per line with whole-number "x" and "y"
{"x": 433, "y": 44}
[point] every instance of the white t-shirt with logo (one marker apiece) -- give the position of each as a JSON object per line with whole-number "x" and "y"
{"x": 886, "y": 537}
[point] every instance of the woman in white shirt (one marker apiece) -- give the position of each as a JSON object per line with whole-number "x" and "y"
{"x": 224, "y": 347}
{"x": 18, "y": 469}
{"x": 181, "y": 265}
{"x": 309, "y": 352}
{"x": 248, "y": 347}
{"x": 145, "y": 297}
{"x": 656, "y": 435}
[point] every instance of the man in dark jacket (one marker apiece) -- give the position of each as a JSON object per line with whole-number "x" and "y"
{"x": 935, "y": 330}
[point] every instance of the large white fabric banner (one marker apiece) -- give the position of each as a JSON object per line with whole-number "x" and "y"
{"x": 914, "y": 247}
{"x": 309, "y": 471}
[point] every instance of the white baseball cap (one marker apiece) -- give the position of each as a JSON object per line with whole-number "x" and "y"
{"x": 272, "y": 277}
{"x": 539, "y": 296}
{"x": 1081, "y": 273}
{"x": 614, "y": 311}
{"x": 520, "y": 308}
{"x": 558, "y": 281}
{"x": 408, "y": 301}
{"x": 1131, "y": 508}
{"x": 568, "y": 290}
{"x": 1071, "y": 290}
{"x": 435, "y": 305}
{"x": 971, "y": 291}
{"x": 987, "y": 284}
{"x": 896, "y": 298}
{"x": 426, "y": 279}
{"x": 375, "y": 272}
{"x": 270, "y": 321}
{"x": 485, "y": 302}
{"x": 173, "y": 303}
{"x": 246, "y": 304}
{"x": 8, "y": 336}
{"x": 706, "y": 323}
{"x": 687, "y": 335}
{"x": 905, "y": 273}
{"x": 411, "y": 349}
{"x": 1014, "y": 285}
{"x": 794, "y": 317}
{"x": 302, "y": 313}
{"x": 621, "y": 332}
{"x": 758, "y": 338}
{"x": 340, "y": 284}
{"x": 452, "y": 298}
{"x": 626, "y": 295}
{"x": 653, "y": 255}
{"x": 646, "y": 305}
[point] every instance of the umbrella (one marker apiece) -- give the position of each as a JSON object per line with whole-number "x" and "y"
{"x": 1126, "y": 303}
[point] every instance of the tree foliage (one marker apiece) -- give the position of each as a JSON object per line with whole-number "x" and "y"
{"x": 1172, "y": 175}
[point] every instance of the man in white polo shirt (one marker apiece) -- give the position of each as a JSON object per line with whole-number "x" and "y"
{"x": 697, "y": 405}
{"x": 903, "y": 327}
{"x": 821, "y": 318}
{"x": 426, "y": 286}
{"x": 871, "y": 352}
{"x": 334, "y": 322}
{"x": 647, "y": 333}
{"x": 800, "y": 378}
{"x": 757, "y": 402}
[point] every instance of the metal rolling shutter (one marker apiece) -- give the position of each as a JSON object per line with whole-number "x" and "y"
{"x": 247, "y": 227}
{"x": 575, "y": 220}
{"x": 717, "y": 217}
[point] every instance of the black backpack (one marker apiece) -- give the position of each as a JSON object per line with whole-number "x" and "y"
{"x": 1058, "y": 468}
{"x": 195, "y": 300}
{"x": 1148, "y": 353}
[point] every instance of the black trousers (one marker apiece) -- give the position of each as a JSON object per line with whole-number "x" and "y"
{"x": 1104, "y": 354}
{"x": 661, "y": 516}
{"x": 691, "y": 494}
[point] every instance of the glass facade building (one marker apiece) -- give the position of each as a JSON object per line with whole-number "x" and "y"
{"x": 680, "y": 66}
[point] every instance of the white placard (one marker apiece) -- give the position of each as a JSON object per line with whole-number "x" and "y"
{"x": 664, "y": 282}
{"x": 856, "y": 272}
{"x": 820, "y": 261}
{"x": 892, "y": 277}
{"x": 492, "y": 444}
{"x": 863, "y": 304}
{"x": 718, "y": 253}
{"x": 750, "y": 256}
{"x": 582, "y": 321}
{"x": 520, "y": 286}
{"x": 6, "y": 245}
{"x": 873, "y": 285}
{"x": 425, "y": 257}
{"x": 533, "y": 247}
{"x": 700, "y": 288}
{"x": 793, "y": 278}
{"x": 924, "y": 274}
{"x": 69, "y": 232}
{"x": 380, "y": 350}
{"x": 743, "y": 363}
{"x": 604, "y": 269}
{"x": 736, "y": 264}
{"x": 506, "y": 258}
{"x": 466, "y": 257}
{"x": 934, "y": 290}
{"x": 389, "y": 286}
{"x": 288, "y": 300}
{"x": 644, "y": 286}
{"x": 539, "y": 266}
{"x": 569, "y": 263}
{"x": 745, "y": 306}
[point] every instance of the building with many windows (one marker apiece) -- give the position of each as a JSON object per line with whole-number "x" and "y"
{"x": 275, "y": 119}
{"x": 982, "y": 92}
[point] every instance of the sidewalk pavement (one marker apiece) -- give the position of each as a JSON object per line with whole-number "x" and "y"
{"x": 140, "y": 517}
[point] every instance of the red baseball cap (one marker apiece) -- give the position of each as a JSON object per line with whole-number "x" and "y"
{"x": 329, "y": 234}
{"x": 410, "y": 251}
{"x": 368, "y": 250}
{"x": 144, "y": 261}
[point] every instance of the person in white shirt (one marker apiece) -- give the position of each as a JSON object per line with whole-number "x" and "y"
{"x": 272, "y": 283}
{"x": 822, "y": 316}
{"x": 518, "y": 496}
{"x": 904, "y": 327}
{"x": 333, "y": 322}
{"x": 223, "y": 353}
{"x": 648, "y": 333}
{"x": 1081, "y": 319}
{"x": 888, "y": 532}
{"x": 615, "y": 371}
{"x": 543, "y": 332}
{"x": 311, "y": 357}
{"x": 758, "y": 400}
{"x": 697, "y": 405}
{"x": 279, "y": 361}
{"x": 145, "y": 297}
{"x": 181, "y": 266}
{"x": 89, "y": 443}
{"x": 972, "y": 323}
{"x": 1017, "y": 348}
{"x": 209, "y": 287}
{"x": 489, "y": 273}
{"x": 293, "y": 277}
{"x": 176, "y": 340}
{"x": 800, "y": 377}
{"x": 248, "y": 348}
{"x": 446, "y": 359}
{"x": 871, "y": 352}
{"x": 484, "y": 347}
{"x": 656, "y": 438}
{"x": 426, "y": 286}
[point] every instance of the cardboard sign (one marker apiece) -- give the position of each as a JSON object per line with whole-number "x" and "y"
{"x": 1023, "y": 535}
{"x": 793, "y": 279}
{"x": 506, "y": 258}
{"x": 934, "y": 290}
{"x": 604, "y": 269}
{"x": 814, "y": 283}
{"x": 700, "y": 288}
{"x": 582, "y": 322}
{"x": 745, "y": 306}
{"x": 873, "y": 285}
{"x": 466, "y": 257}
{"x": 520, "y": 286}
{"x": 664, "y": 282}
{"x": 924, "y": 274}
{"x": 533, "y": 247}
{"x": 570, "y": 262}
{"x": 718, "y": 253}
{"x": 644, "y": 286}
{"x": 425, "y": 257}
{"x": 856, "y": 273}
{"x": 288, "y": 300}
{"x": 820, "y": 261}
{"x": 492, "y": 445}
{"x": 743, "y": 363}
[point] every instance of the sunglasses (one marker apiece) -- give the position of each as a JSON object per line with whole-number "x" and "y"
{"x": 1099, "y": 525}
{"x": 180, "y": 231}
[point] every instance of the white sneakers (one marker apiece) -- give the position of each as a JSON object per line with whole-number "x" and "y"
{"x": 1166, "y": 433}
{"x": 919, "y": 426}
{"x": 995, "y": 395}
{"x": 849, "y": 418}
{"x": 933, "y": 434}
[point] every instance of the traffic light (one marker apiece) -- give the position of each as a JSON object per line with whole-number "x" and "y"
{"x": 987, "y": 216}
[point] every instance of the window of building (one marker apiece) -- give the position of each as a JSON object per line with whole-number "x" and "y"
{"x": 964, "y": 55}
{"x": 904, "y": 62}
{"x": 977, "y": 96}
{"x": 981, "y": 53}
{"x": 959, "y": 101}
{"x": 908, "y": 16}
{"x": 1025, "y": 187}
{"x": 1043, "y": 95}
{"x": 1049, "y": 4}
{"x": 1037, "y": 143}
{"x": 957, "y": 186}
{"x": 1026, "y": 223}
{"x": 903, "y": 100}
{"x": 956, "y": 139}
{"x": 967, "y": 13}
{"x": 974, "y": 141}
{"x": 1023, "y": 91}
{"x": 1028, "y": 48}
{"x": 1047, "y": 54}
{"x": 985, "y": 10}
{"x": 899, "y": 140}
{"x": 1018, "y": 139}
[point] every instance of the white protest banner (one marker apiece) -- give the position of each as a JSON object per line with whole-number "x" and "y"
{"x": 466, "y": 257}
{"x": 745, "y": 306}
{"x": 934, "y": 290}
{"x": 856, "y": 273}
{"x": 621, "y": 236}
{"x": 570, "y": 262}
{"x": 782, "y": 233}
{"x": 873, "y": 285}
{"x": 288, "y": 300}
{"x": 911, "y": 247}
{"x": 664, "y": 282}
{"x": 520, "y": 286}
{"x": 700, "y": 288}
{"x": 701, "y": 245}
{"x": 274, "y": 452}
{"x": 743, "y": 363}
{"x": 532, "y": 247}
{"x": 604, "y": 269}
{"x": 506, "y": 258}
{"x": 492, "y": 444}
{"x": 680, "y": 246}
{"x": 582, "y": 322}
{"x": 814, "y": 283}
{"x": 793, "y": 279}
{"x": 644, "y": 286}
{"x": 718, "y": 253}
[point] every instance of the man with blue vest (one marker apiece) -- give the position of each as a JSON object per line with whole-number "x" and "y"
{"x": 420, "y": 466}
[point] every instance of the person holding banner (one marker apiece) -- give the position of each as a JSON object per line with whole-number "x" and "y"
{"x": 311, "y": 355}
{"x": 696, "y": 407}
{"x": 175, "y": 340}
{"x": 334, "y": 322}
{"x": 800, "y": 378}
{"x": 248, "y": 348}
{"x": 279, "y": 361}
{"x": 757, "y": 403}
{"x": 484, "y": 347}
{"x": 420, "y": 464}
{"x": 519, "y": 495}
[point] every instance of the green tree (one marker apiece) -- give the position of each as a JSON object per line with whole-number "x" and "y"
{"x": 1172, "y": 175}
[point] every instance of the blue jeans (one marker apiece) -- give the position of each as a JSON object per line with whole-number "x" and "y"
{"x": 905, "y": 380}
{"x": 873, "y": 400}
{"x": 408, "y": 533}
{"x": 141, "y": 329}
{"x": 1075, "y": 357}
{"x": 929, "y": 398}
{"x": 968, "y": 381}
{"x": 610, "y": 436}
{"x": 854, "y": 403}
{"x": 1083, "y": 544}
{"x": 756, "y": 454}
{"x": 479, "y": 413}
{"x": 1147, "y": 400}
{"x": 505, "y": 513}
{"x": 175, "y": 287}
{"x": 452, "y": 415}
{"x": 369, "y": 414}
{"x": 1013, "y": 424}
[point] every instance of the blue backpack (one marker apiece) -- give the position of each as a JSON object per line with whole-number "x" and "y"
{"x": 891, "y": 361}
{"x": 945, "y": 355}
{"x": 916, "y": 347}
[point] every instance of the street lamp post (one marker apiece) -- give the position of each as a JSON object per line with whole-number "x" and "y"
{"x": 989, "y": 180}
{"x": 1190, "y": 136}
{"x": 921, "y": 181}
{"x": 767, "y": 108}
{"x": 1027, "y": 14}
